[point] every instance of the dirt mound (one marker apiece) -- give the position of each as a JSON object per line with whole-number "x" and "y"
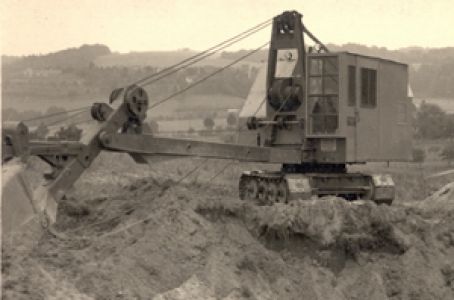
{"x": 440, "y": 201}
{"x": 154, "y": 240}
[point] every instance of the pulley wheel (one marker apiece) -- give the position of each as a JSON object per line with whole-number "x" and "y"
{"x": 136, "y": 99}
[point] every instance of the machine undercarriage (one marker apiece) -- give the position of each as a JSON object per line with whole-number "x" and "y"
{"x": 267, "y": 188}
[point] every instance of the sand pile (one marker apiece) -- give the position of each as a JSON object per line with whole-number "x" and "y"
{"x": 200, "y": 242}
{"x": 440, "y": 201}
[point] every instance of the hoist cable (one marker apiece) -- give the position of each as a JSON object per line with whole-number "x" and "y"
{"x": 67, "y": 118}
{"x": 56, "y": 114}
{"x": 183, "y": 66}
{"x": 176, "y": 67}
{"x": 207, "y": 77}
{"x": 187, "y": 60}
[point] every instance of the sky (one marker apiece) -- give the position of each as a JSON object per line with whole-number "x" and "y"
{"x": 43, "y": 26}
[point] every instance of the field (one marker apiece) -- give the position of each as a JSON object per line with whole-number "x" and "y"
{"x": 139, "y": 233}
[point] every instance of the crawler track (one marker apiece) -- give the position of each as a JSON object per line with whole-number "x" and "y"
{"x": 267, "y": 188}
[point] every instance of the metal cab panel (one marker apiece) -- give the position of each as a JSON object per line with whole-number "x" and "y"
{"x": 371, "y": 106}
{"x": 380, "y": 124}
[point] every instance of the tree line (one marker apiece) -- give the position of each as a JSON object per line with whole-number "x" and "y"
{"x": 100, "y": 81}
{"x": 431, "y": 69}
{"x": 433, "y": 123}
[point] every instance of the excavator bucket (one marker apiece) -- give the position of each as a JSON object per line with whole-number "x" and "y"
{"x": 23, "y": 210}
{"x": 17, "y": 197}
{"x": 18, "y": 208}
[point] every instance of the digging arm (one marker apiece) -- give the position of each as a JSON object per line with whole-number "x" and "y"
{"x": 117, "y": 128}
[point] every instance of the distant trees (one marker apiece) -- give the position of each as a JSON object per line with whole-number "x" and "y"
{"x": 448, "y": 153}
{"x": 70, "y": 133}
{"x": 434, "y": 80}
{"x": 419, "y": 155}
{"x": 232, "y": 120}
{"x": 77, "y": 72}
{"x": 433, "y": 123}
{"x": 91, "y": 66}
{"x": 68, "y": 58}
{"x": 208, "y": 123}
{"x": 40, "y": 132}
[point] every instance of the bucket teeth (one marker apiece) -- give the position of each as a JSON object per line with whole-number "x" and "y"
{"x": 46, "y": 206}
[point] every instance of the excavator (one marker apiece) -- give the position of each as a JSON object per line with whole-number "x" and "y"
{"x": 312, "y": 111}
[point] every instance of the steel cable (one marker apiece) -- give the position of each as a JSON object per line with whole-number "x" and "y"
{"x": 56, "y": 114}
{"x": 207, "y": 77}
{"x": 67, "y": 118}
{"x": 255, "y": 28}
{"x": 222, "y": 170}
{"x": 172, "y": 71}
{"x": 190, "y": 61}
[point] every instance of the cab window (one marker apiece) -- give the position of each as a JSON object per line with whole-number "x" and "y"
{"x": 351, "y": 85}
{"x": 368, "y": 87}
{"x": 323, "y": 103}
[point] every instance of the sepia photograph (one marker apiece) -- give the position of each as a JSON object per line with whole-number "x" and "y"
{"x": 227, "y": 150}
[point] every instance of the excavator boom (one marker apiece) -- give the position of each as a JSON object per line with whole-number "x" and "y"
{"x": 69, "y": 159}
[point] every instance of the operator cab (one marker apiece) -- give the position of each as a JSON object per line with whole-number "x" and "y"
{"x": 359, "y": 106}
{"x": 323, "y": 95}
{"x": 353, "y": 108}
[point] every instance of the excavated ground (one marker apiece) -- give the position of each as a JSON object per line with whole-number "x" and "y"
{"x": 143, "y": 237}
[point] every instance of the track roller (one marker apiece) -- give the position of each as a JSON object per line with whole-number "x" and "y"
{"x": 272, "y": 192}
{"x": 267, "y": 188}
{"x": 264, "y": 188}
{"x": 249, "y": 188}
{"x": 263, "y": 192}
{"x": 282, "y": 192}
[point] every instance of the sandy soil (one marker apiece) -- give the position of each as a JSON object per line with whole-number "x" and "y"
{"x": 143, "y": 237}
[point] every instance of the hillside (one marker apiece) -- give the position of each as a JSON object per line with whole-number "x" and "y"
{"x": 6, "y": 59}
{"x": 73, "y": 77}
{"x": 162, "y": 59}
{"x": 69, "y": 58}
